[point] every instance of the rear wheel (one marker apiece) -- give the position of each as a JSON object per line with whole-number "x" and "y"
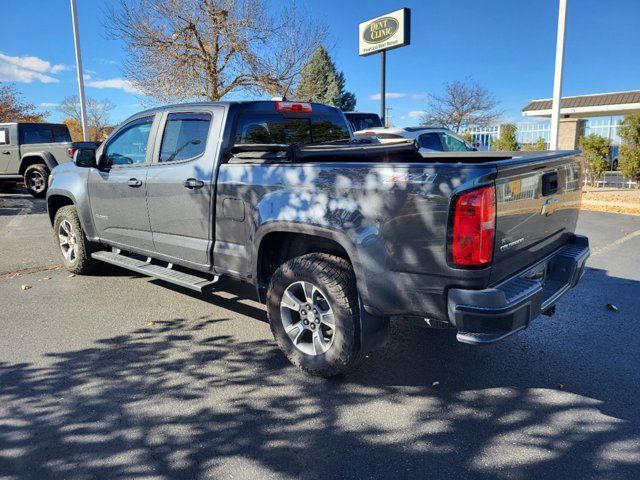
{"x": 36, "y": 178}
{"x": 312, "y": 304}
{"x": 73, "y": 244}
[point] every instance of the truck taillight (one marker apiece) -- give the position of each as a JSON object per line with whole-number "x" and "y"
{"x": 474, "y": 225}
{"x": 71, "y": 151}
{"x": 296, "y": 107}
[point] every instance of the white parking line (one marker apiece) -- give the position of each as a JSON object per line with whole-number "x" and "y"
{"x": 611, "y": 246}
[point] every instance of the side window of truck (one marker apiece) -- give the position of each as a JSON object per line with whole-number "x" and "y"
{"x": 34, "y": 133}
{"x": 129, "y": 146}
{"x": 185, "y": 136}
{"x": 431, "y": 141}
{"x": 4, "y": 136}
{"x": 60, "y": 133}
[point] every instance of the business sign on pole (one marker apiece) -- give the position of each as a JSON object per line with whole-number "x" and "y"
{"x": 388, "y": 31}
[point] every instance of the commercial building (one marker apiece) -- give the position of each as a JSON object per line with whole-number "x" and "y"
{"x": 580, "y": 115}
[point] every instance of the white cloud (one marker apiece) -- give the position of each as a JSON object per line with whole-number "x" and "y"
{"x": 49, "y": 104}
{"x": 417, "y": 113}
{"x": 28, "y": 69}
{"x": 58, "y": 68}
{"x": 104, "y": 61}
{"x": 86, "y": 76}
{"x": 117, "y": 83}
{"x": 387, "y": 95}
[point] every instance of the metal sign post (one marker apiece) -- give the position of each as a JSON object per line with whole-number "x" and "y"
{"x": 76, "y": 40}
{"x": 383, "y": 87}
{"x": 384, "y": 33}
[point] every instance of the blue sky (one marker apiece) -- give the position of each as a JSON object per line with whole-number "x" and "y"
{"x": 506, "y": 45}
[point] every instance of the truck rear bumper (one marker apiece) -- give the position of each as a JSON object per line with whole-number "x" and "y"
{"x": 487, "y": 316}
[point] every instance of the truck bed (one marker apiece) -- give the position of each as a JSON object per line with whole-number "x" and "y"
{"x": 401, "y": 152}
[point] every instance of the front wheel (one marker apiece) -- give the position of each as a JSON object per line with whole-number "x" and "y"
{"x": 73, "y": 244}
{"x": 36, "y": 178}
{"x": 312, "y": 304}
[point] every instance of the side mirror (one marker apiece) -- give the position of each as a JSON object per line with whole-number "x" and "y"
{"x": 85, "y": 158}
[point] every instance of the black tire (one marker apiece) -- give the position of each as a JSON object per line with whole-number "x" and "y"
{"x": 36, "y": 179}
{"x": 7, "y": 187}
{"x": 80, "y": 262}
{"x": 334, "y": 277}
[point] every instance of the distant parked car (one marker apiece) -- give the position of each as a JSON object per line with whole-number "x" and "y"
{"x": 429, "y": 139}
{"x": 29, "y": 151}
{"x": 363, "y": 121}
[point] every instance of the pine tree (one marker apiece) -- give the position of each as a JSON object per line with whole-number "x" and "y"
{"x": 321, "y": 82}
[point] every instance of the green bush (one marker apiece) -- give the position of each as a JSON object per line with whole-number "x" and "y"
{"x": 595, "y": 150}
{"x": 540, "y": 144}
{"x": 507, "y": 141}
{"x": 629, "y": 131}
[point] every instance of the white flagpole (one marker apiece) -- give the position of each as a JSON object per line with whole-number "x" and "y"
{"x": 76, "y": 39}
{"x": 557, "y": 78}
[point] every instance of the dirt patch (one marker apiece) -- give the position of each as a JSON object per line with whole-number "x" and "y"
{"x": 611, "y": 200}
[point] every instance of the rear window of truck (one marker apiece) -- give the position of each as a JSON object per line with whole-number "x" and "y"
{"x": 278, "y": 129}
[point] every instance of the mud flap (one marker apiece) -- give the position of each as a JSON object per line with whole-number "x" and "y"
{"x": 374, "y": 330}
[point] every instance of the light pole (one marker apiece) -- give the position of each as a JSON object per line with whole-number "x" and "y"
{"x": 557, "y": 77}
{"x": 76, "y": 40}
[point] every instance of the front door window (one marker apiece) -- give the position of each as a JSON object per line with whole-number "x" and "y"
{"x": 129, "y": 146}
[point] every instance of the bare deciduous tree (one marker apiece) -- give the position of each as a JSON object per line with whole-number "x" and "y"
{"x": 98, "y": 119}
{"x": 463, "y": 104}
{"x": 185, "y": 49}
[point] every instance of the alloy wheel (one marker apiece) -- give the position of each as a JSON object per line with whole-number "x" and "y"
{"x": 68, "y": 241}
{"x": 307, "y": 318}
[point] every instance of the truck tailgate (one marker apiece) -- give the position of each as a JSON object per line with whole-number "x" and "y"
{"x": 537, "y": 206}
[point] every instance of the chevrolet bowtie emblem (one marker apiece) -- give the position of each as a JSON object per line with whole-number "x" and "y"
{"x": 549, "y": 207}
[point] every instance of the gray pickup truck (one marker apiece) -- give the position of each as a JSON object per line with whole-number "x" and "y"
{"x": 28, "y": 152}
{"x": 337, "y": 236}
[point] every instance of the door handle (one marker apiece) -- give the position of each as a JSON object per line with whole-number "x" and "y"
{"x": 6, "y": 153}
{"x": 134, "y": 182}
{"x": 192, "y": 183}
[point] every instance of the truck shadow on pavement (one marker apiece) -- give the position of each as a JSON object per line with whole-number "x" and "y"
{"x": 177, "y": 399}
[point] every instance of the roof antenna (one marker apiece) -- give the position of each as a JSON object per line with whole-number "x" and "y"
{"x": 284, "y": 95}
{"x": 283, "y": 98}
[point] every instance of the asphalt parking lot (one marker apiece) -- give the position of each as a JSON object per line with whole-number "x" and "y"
{"x": 119, "y": 376}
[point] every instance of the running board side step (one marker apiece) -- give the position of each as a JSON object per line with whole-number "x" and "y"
{"x": 167, "y": 274}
